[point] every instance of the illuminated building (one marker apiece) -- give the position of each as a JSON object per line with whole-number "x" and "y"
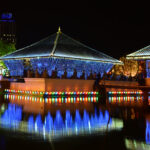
{"x": 130, "y": 68}
{"x": 7, "y": 28}
{"x": 143, "y": 57}
{"x": 56, "y": 57}
{"x": 59, "y": 53}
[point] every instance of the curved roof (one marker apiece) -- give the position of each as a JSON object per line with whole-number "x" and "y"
{"x": 143, "y": 53}
{"x": 60, "y": 45}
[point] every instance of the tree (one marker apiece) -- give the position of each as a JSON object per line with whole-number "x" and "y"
{"x": 5, "y": 48}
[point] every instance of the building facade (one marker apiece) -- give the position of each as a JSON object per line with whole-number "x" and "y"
{"x": 7, "y": 28}
{"x": 143, "y": 58}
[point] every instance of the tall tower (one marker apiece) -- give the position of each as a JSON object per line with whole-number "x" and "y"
{"x": 7, "y": 28}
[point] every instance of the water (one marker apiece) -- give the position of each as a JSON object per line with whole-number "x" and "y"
{"x": 34, "y": 122}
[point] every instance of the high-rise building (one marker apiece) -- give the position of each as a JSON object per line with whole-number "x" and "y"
{"x": 7, "y": 28}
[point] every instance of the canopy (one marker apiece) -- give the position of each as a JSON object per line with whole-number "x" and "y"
{"x": 59, "y": 45}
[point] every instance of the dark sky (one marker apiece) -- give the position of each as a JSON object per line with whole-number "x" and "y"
{"x": 112, "y": 28}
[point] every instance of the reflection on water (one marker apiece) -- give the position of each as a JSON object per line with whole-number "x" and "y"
{"x": 51, "y": 127}
{"x": 147, "y": 132}
{"x": 57, "y": 117}
{"x": 125, "y": 99}
{"x": 136, "y": 145}
{"x": 52, "y": 100}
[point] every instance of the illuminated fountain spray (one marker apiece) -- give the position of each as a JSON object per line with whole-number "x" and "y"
{"x": 78, "y": 120}
{"x": 31, "y": 123}
{"x": 58, "y": 122}
{"x": 48, "y": 122}
{"x": 103, "y": 119}
{"x": 68, "y": 120}
{"x": 94, "y": 118}
{"x": 38, "y": 123}
{"x": 58, "y": 126}
{"x": 12, "y": 116}
{"x": 147, "y": 133}
{"x": 86, "y": 120}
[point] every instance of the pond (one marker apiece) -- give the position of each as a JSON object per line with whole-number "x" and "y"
{"x": 28, "y": 122}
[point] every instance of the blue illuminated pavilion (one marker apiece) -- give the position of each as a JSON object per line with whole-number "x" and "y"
{"x": 59, "y": 52}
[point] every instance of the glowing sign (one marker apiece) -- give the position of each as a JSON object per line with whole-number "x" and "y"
{"x": 6, "y": 16}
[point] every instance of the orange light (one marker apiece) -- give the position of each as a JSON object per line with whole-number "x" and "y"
{"x": 59, "y": 100}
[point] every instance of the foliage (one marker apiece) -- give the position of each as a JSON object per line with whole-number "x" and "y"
{"x": 5, "y": 48}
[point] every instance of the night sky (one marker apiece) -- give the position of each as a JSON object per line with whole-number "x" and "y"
{"x": 112, "y": 28}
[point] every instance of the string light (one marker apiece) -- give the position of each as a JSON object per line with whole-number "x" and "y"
{"x": 56, "y": 93}
{"x": 52, "y": 99}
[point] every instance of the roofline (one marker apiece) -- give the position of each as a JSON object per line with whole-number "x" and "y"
{"x": 145, "y": 57}
{"x": 37, "y": 57}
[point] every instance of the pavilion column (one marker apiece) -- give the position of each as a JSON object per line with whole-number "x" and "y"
{"x": 36, "y": 74}
{"x": 44, "y": 75}
{"x": 90, "y": 77}
{"x": 29, "y": 74}
{"x": 54, "y": 73}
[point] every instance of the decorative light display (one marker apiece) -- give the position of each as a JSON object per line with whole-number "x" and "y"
{"x": 12, "y": 116}
{"x": 125, "y": 96}
{"x": 149, "y": 100}
{"x": 125, "y": 99}
{"x": 147, "y": 132}
{"x": 138, "y": 92}
{"x": 6, "y": 16}
{"x": 16, "y": 67}
{"x": 70, "y": 66}
{"x": 55, "y": 94}
{"x": 148, "y": 68}
{"x": 52, "y": 100}
{"x": 59, "y": 125}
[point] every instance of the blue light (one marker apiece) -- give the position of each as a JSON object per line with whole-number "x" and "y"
{"x": 86, "y": 119}
{"x": 148, "y": 68}
{"x": 31, "y": 123}
{"x": 17, "y": 68}
{"x": 68, "y": 120}
{"x": 38, "y": 123}
{"x": 147, "y": 132}
{"x": 70, "y": 66}
{"x": 58, "y": 121}
{"x": 48, "y": 122}
{"x": 78, "y": 120}
{"x": 6, "y": 16}
{"x": 13, "y": 116}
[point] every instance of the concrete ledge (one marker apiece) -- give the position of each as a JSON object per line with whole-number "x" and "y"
{"x": 45, "y": 84}
{"x": 120, "y": 83}
{"x": 147, "y": 81}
